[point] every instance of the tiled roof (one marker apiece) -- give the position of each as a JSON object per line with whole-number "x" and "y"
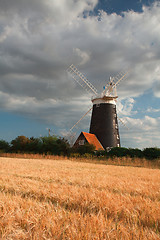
{"x": 92, "y": 139}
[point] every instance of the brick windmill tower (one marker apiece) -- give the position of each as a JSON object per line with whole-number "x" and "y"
{"x": 104, "y": 123}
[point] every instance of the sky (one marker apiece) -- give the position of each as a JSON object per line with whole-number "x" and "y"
{"x": 40, "y": 39}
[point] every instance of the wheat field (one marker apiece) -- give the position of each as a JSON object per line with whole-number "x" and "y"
{"x": 63, "y": 199}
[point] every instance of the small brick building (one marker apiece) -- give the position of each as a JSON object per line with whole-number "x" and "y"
{"x": 88, "y": 138}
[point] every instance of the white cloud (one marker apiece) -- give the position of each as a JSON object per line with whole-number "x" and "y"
{"x": 84, "y": 56}
{"x": 4, "y": 34}
{"x": 141, "y": 133}
{"x": 156, "y": 89}
{"x": 152, "y": 110}
{"x": 126, "y": 108}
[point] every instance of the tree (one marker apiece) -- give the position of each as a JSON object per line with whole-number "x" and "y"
{"x": 35, "y": 145}
{"x": 118, "y": 152}
{"x": 55, "y": 145}
{"x": 20, "y": 144}
{"x": 63, "y": 146}
{"x": 4, "y": 146}
{"x": 86, "y": 148}
{"x": 151, "y": 153}
{"x": 49, "y": 145}
{"x": 135, "y": 152}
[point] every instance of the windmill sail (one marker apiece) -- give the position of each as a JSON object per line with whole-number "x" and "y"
{"x": 81, "y": 80}
{"x": 80, "y": 119}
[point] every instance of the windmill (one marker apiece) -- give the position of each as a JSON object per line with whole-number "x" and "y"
{"x": 104, "y": 123}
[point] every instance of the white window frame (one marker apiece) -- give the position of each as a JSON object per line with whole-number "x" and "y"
{"x": 81, "y": 142}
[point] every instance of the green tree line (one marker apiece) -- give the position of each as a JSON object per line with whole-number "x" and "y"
{"x": 60, "y": 146}
{"x": 48, "y": 145}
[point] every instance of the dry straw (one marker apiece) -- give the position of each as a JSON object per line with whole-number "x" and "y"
{"x": 63, "y": 199}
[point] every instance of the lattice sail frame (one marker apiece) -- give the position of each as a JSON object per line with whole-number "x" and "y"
{"x": 109, "y": 89}
{"x": 82, "y": 80}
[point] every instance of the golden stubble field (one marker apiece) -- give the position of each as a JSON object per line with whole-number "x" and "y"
{"x": 62, "y": 199}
